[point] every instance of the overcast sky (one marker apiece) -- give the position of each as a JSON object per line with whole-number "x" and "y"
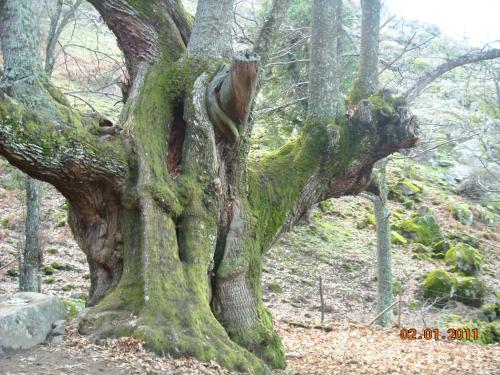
{"x": 478, "y": 20}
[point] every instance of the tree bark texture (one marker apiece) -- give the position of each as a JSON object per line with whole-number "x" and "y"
{"x": 384, "y": 245}
{"x": 368, "y": 67}
{"x": 30, "y": 260}
{"x": 22, "y": 64}
{"x": 172, "y": 214}
{"x": 212, "y": 30}
{"x": 323, "y": 87}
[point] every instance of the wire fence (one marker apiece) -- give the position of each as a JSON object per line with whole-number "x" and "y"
{"x": 408, "y": 309}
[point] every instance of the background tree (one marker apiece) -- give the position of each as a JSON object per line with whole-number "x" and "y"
{"x": 15, "y": 70}
{"x": 381, "y": 191}
{"x": 32, "y": 253}
{"x": 172, "y": 213}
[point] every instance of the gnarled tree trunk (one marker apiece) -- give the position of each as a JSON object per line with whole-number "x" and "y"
{"x": 173, "y": 215}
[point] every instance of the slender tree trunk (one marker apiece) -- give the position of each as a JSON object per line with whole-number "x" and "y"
{"x": 58, "y": 21}
{"x": 384, "y": 248}
{"x": 212, "y": 30}
{"x": 29, "y": 280}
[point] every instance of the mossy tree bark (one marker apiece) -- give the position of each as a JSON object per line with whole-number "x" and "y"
{"x": 172, "y": 213}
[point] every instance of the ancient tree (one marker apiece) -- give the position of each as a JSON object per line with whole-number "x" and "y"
{"x": 171, "y": 210}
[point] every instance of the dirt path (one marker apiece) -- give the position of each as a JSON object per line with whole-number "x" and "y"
{"x": 43, "y": 360}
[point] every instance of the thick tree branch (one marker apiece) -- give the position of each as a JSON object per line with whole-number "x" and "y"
{"x": 144, "y": 28}
{"x": 434, "y": 74}
{"x": 37, "y": 128}
{"x": 63, "y": 155}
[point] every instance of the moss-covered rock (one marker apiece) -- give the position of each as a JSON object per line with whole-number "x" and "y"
{"x": 73, "y": 306}
{"x": 56, "y": 265}
{"x": 463, "y": 258}
{"x": 422, "y": 227}
{"x": 440, "y": 248}
{"x": 275, "y": 287}
{"x": 487, "y": 332}
{"x": 398, "y": 239}
{"x": 462, "y": 213}
{"x": 470, "y": 291}
{"x": 420, "y": 251}
{"x": 491, "y": 312}
{"x": 485, "y": 216}
{"x": 326, "y": 206}
{"x": 490, "y": 333}
{"x": 418, "y": 248}
{"x": 404, "y": 190}
{"x": 469, "y": 240}
{"x": 368, "y": 220}
{"x": 440, "y": 285}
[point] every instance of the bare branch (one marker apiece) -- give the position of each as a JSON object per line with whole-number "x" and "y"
{"x": 281, "y": 106}
{"x": 58, "y": 21}
{"x": 434, "y": 74}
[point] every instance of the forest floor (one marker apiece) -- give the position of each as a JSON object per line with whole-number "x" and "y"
{"x": 346, "y": 349}
{"x": 332, "y": 246}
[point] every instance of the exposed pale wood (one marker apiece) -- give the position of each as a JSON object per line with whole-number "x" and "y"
{"x": 231, "y": 94}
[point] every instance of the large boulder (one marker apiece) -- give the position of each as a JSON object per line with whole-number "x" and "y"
{"x": 405, "y": 189}
{"x": 440, "y": 248}
{"x": 462, "y": 213}
{"x": 458, "y": 174}
{"x": 470, "y": 291}
{"x": 439, "y": 285}
{"x": 422, "y": 227}
{"x": 27, "y": 318}
{"x": 464, "y": 259}
{"x": 490, "y": 312}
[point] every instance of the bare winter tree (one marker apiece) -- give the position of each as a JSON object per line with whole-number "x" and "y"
{"x": 379, "y": 187}
{"x": 172, "y": 213}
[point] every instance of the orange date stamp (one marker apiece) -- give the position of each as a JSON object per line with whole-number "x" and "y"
{"x": 410, "y": 334}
